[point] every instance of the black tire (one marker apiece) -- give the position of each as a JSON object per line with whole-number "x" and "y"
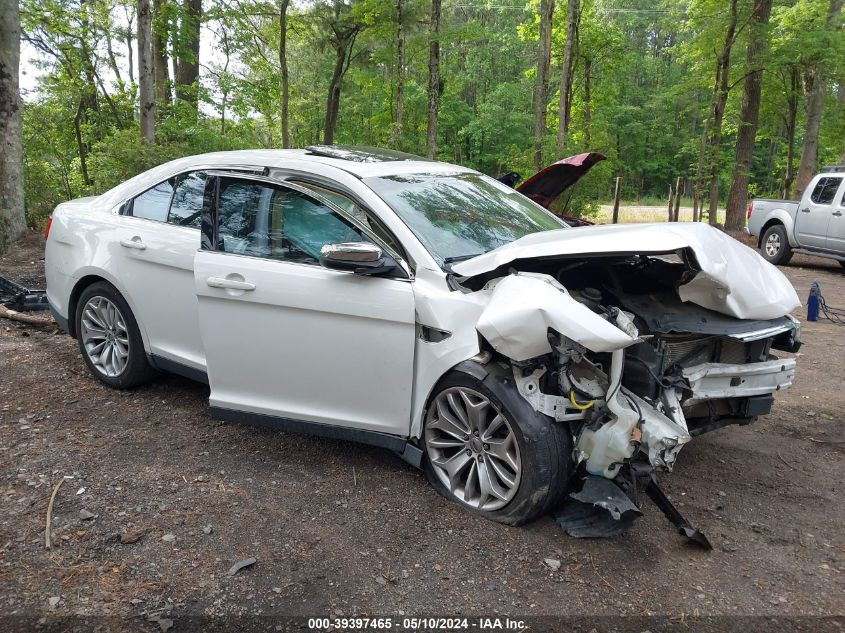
{"x": 781, "y": 255}
{"x": 137, "y": 370}
{"x": 842, "y": 263}
{"x": 545, "y": 446}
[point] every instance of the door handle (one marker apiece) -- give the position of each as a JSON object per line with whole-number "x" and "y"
{"x": 837, "y": 213}
{"x": 805, "y": 210}
{"x": 230, "y": 284}
{"x": 135, "y": 243}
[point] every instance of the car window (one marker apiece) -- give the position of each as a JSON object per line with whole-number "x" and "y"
{"x": 186, "y": 206}
{"x": 355, "y": 211}
{"x": 825, "y": 190}
{"x": 264, "y": 220}
{"x": 153, "y": 203}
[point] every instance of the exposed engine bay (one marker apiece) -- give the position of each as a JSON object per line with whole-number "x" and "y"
{"x": 606, "y": 345}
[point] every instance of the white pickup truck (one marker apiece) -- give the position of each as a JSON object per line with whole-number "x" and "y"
{"x": 815, "y": 225}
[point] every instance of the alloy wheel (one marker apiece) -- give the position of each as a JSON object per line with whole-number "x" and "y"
{"x": 105, "y": 336}
{"x": 772, "y": 244}
{"x": 472, "y": 448}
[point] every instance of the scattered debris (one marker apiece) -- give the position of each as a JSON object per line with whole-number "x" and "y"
{"x": 552, "y": 563}
{"x": 246, "y": 562}
{"x": 601, "y": 509}
{"x": 85, "y": 515}
{"x": 381, "y": 580}
{"x": 207, "y": 529}
{"x": 168, "y": 538}
{"x": 47, "y": 542}
{"x": 54, "y": 600}
{"x": 133, "y": 536}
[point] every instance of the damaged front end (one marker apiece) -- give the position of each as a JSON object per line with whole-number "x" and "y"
{"x": 619, "y": 348}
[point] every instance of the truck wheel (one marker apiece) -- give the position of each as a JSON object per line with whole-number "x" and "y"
{"x": 488, "y": 450}
{"x": 109, "y": 338}
{"x": 775, "y": 246}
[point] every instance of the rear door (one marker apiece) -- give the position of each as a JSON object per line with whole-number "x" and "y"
{"x": 815, "y": 210}
{"x": 157, "y": 240}
{"x": 287, "y": 338}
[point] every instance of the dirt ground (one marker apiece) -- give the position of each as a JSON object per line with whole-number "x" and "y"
{"x": 340, "y": 530}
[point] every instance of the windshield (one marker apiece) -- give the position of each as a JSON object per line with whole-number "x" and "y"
{"x": 462, "y": 215}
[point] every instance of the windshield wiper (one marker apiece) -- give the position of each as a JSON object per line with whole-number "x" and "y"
{"x": 460, "y": 258}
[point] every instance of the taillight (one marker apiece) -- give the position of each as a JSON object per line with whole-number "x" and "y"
{"x": 47, "y": 228}
{"x": 748, "y": 212}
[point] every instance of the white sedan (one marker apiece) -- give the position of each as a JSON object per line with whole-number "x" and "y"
{"x": 425, "y": 308}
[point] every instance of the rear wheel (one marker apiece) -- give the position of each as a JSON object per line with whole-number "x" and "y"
{"x": 775, "y": 246}
{"x": 109, "y": 338}
{"x": 488, "y": 450}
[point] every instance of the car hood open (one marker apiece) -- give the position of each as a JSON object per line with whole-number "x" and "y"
{"x": 729, "y": 277}
{"x": 549, "y": 183}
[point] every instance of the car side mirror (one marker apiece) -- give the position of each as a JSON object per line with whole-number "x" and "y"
{"x": 362, "y": 258}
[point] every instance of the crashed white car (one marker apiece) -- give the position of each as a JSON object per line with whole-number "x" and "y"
{"x": 425, "y": 308}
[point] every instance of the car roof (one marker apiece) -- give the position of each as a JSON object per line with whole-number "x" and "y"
{"x": 359, "y": 161}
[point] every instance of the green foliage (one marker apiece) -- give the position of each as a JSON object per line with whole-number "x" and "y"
{"x": 651, "y": 76}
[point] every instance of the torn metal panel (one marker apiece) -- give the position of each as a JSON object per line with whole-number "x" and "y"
{"x": 729, "y": 277}
{"x": 599, "y": 510}
{"x": 522, "y": 308}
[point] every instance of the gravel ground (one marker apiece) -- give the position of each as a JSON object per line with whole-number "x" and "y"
{"x": 338, "y": 529}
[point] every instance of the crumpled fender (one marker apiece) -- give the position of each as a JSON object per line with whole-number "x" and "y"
{"x": 522, "y": 308}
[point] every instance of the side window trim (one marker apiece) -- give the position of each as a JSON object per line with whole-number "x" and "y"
{"x": 219, "y": 173}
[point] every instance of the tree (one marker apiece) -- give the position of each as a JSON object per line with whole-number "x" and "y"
{"x": 396, "y": 132}
{"x": 749, "y": 112}
{"x": 433, "y": 79}
{"x": 283, "y": 66}
{"x": 12, "y": 217}
{"x": 565, "y": 101}
{"x": 541, "y": 83}
{"x": 717, "y": 111}
{"x": 815, "y": 86}
{"x": 161, "y": 75}
{"x": 145, "y": 72}
{"x": 188, "y": 54}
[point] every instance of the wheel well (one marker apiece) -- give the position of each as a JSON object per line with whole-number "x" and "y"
{"x": 765, "y": 228}
{"x": 80, "y": 286}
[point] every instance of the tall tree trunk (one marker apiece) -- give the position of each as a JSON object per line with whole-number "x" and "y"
{"x": 563, "y": 105}
{"x": 791, "y": 119}
{"x": 343, "y": 45}
{"x": 720, "y": 99}
{"x": 433, "y": 79}
{"x": 588, "y": 68}
{"x": 815, "y": 85}
{"x": 161, "y": 76}
{"x": 396, "y": 132}
{"x": 145, "y": 72}
{"x": 749, "y": 111}
{"x": 12, "y": 215}
{"x": 188, "y": 60}
{"x": 541, "y": 83}
{"x": 283, "y": 65}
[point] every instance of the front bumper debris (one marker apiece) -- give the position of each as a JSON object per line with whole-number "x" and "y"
{"x": 710, "y": 381}
{"x": 602, "y": 508}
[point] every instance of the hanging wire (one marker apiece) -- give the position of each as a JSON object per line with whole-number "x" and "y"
{"x": 836, "y": 315}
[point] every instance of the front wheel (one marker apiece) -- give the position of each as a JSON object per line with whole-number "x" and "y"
{"x": 775, "y": 246}
{"x": 487, "y": 449}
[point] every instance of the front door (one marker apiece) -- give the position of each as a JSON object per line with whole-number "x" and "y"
{"x": 814, "y": 212}
{"x": 287, "y": 338}
{"x": 836, "y": 227}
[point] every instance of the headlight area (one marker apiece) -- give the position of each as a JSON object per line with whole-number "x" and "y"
{"x": 631, "y": 401}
